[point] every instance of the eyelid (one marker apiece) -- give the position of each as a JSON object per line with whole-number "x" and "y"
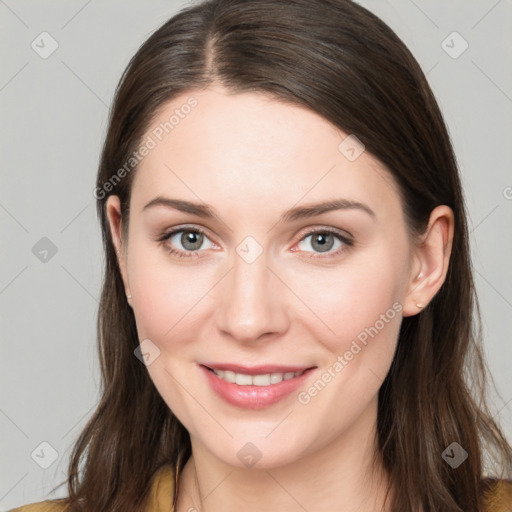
{"x": 185, "y": 227}
{"x": 345, "y": 235}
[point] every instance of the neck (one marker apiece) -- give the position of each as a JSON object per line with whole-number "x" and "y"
{"x": 340, "y": 476}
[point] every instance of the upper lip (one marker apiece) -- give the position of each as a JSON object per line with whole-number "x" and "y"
{"x": 256, "y": 370}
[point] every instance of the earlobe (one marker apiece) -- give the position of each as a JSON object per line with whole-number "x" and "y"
{"x": 431, "y": 260}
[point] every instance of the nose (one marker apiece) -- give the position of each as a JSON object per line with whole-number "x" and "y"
{"x": 252, "y": 301}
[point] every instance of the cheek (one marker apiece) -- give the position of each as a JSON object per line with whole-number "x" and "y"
{"x": 166, "y": 295}
{"x": 344, "y": 303}
{"x": 358, "y": 313}
{"x": 169, "y": 307}
{"x": 364, "y": 312}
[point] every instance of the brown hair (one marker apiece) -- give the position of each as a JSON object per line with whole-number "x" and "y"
{"x": 340, "y": 61}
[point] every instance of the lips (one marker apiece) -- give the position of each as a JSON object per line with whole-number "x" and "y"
{"x": 256, "y": 370}
{"x": 254, "y": 387}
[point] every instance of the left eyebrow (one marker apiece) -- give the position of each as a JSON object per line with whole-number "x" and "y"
{"x": 311, "y": 210}
{"x": 299, "y": 212}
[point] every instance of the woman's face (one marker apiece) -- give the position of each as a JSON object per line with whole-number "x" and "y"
{"x": 264, "y": 290}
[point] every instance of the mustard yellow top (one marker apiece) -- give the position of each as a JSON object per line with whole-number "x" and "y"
{"x": 160, "y": 497}
{"x": 498, "y": 496}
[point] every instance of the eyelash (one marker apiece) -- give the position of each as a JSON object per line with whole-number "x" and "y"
{"x": 347, "y": 242}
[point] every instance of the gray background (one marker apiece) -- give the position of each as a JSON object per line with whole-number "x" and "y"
{"x": 54, "y": 113}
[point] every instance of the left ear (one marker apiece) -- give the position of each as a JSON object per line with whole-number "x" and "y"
{"x": 431, "y": 258}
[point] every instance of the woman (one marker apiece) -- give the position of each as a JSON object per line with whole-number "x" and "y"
{"x": 287, "y": 313}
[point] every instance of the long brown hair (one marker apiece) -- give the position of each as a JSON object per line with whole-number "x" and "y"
{"x": 340, "y": 61}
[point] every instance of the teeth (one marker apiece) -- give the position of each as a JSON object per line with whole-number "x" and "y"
{"x": 255, "y": 380}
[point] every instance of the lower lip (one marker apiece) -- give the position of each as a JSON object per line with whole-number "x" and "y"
{"x": 254, "y": 397}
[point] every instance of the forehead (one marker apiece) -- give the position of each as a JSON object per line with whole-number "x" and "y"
{"x": 249, "y": 150}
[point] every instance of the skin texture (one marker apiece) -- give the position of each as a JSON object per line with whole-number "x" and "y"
{"x": 251, "y": 158}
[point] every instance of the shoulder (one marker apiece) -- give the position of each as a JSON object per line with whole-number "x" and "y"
{"x": 160, "y": 497}
{"x": 162, "y": 489}
{"x": 497, "y": 495}
{"x": 43, "y": 506}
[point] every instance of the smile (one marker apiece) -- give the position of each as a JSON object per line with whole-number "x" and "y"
{"x": 265, "y": 379}
{"x": 258, "y": 389}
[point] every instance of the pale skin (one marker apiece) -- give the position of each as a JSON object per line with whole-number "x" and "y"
{"x": 251, "y": 158}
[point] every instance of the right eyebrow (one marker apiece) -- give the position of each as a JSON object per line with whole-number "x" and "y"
{"x": 183, "y": 206}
